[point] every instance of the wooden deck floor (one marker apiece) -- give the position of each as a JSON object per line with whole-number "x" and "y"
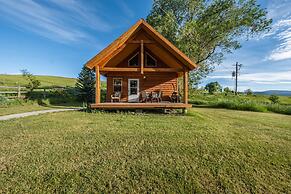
{"x": 162, "y": 105}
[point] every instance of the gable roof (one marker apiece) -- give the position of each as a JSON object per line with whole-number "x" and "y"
{"x": 116, "y": 46}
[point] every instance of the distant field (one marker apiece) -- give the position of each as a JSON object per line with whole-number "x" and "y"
{"x": 14, "y": 80}
{"x": 207, "y": 151}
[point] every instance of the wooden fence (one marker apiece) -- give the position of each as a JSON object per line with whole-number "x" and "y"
{"x": 20, "y": 91}
{"x": 13, "y": 91}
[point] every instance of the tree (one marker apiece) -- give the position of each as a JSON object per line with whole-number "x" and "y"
{"x": 249, "y": 92}
{"x": 33, "y": 83}
{"x": 86, "y": 85}
{"x": 213, "y": 87}
{"x": 207, "y": 30}
{"x": 227, "y": 90}
{"x": 274, "y": 99}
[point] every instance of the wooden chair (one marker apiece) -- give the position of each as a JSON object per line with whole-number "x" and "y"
{"x": 175, "y": 97}
{"x": 157, "y": 96}
{"x": 145, "y": 96}
{"x": 115, "y": 97}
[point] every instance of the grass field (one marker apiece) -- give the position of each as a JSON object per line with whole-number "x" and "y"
{"x": 14, "y": 80}
{"x": 207, "y": 151}
{"x": 21, "y": 108}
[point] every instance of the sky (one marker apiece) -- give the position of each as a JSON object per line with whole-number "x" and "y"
{"x": 57, "y": 37}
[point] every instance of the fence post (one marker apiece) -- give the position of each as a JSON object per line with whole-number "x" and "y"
{"x": 19, "y": 92}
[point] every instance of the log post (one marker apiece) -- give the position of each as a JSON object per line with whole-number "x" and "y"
{"x": 18, "y": 92}
{"x": 141, "y": 56}
{"x": 185, "y": 85}
{"x": 98, "y": 91}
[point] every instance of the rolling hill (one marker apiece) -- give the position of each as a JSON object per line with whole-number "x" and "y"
{"x": 46, "y": 81}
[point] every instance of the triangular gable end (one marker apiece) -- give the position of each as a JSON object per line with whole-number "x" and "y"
{"x": 119, "y": 44}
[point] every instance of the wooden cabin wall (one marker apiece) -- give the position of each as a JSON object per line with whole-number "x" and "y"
{"x": 149, "y": 82}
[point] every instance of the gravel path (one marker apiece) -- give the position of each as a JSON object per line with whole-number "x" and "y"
{"x": 26, "y": 114}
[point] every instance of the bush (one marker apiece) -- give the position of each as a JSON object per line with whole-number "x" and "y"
{"x": 283, "y": 109}
{"x": 3, "y": 100}
{"x": 274, "y": 99}
{"x": 236, "y": 105}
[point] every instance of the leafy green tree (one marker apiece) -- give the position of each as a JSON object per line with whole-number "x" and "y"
{"x": 227, "y": 90}
{"x": 33, "y": 83}
{"x": 249, "y": 92}
{"x": 274, "y": 99}
{"x": 213, "y": 87}
{"x": 207, "y": 30}
{"x": 86, "y": 85}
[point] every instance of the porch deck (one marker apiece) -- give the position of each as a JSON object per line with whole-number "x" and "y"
{"x": 125, "y": 105}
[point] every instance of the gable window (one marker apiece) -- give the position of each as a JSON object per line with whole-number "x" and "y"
{"x": 150, "y": 61}
{"x": 117, "y": 84}
{"x": 133, "y": 61}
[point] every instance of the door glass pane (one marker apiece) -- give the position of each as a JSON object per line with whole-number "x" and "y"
{"x": 133, "y": 91}
{"x": 133, "y": 83}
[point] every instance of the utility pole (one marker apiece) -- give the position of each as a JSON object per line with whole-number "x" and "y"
{"x": 235, "y": 74}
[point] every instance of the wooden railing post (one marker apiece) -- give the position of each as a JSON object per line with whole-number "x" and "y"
{"x": 98, "y": 91}
{"x": 185, "y": 85}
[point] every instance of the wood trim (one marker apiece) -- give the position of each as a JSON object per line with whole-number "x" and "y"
{"x": 138, "y": 42}
{"x": 185, "y": 85}
{"x": 118, "y": 45}
{"x": 141, "y": 57}
{"x": 134, "y": 69}
{"x": 98, "y": 88}
{"x": 161, "y": 105}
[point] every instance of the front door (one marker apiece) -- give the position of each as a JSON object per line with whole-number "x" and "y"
{"x": 133, "y": 90}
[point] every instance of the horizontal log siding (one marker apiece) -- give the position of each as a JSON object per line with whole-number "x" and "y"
{"x": 166, "y": 82}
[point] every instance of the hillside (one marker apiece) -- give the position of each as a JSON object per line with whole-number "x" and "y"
{"x": 275, "y": 92}
{"x": 14, "y": 80}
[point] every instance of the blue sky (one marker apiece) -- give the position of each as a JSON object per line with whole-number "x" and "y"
{"x": 57, "y": 37}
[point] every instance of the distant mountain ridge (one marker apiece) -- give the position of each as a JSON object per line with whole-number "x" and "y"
{"x": 275, "y": 92}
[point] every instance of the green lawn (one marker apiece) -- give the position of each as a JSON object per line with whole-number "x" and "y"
{"x": 210, "y": 150}
{"x": 14, "y": 80}
{"x": 21, "y": 108}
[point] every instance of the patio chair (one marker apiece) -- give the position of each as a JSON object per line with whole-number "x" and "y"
{"x": 145, "y": 96}
{"x": 157, "y": 96}
{"x": 115, "y": 97}
{"x": 175, "y": 97}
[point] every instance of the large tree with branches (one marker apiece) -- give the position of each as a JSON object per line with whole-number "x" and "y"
{"x": 206, "y": 30}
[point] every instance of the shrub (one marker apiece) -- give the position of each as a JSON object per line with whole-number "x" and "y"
{"x": 33, "y": 83}
{"x": 274, "y": 99}
{"x": 283, "y": 109}
{"x": 249, "y": 92}
{"x": 3, "y": 100}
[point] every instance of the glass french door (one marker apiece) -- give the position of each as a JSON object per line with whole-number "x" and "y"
{"x": 133, "y": 90}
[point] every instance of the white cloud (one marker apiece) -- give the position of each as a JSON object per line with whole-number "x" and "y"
{"x": 53, "y": 22}
{"x": 274, "y": 77}
{"x": 282, "y": 31}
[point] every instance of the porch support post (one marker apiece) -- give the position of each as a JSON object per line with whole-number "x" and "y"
{"x": 185, "y": 85}
{"x": 98, "y": 91}
{"x": 141, "y": 56}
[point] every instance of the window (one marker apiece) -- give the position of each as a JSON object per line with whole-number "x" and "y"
{"x": 133, "y": 61}
{"x": 117, "y": 84}
{"x": 150, "y": 61}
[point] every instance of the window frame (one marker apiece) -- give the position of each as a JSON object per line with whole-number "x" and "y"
{"x": 136, "y": 54}
{"x": 117, "y": 78}
{"x": 146, "y": 63}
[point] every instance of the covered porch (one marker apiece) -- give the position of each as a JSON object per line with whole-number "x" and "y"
{"x": 181, "y": 104}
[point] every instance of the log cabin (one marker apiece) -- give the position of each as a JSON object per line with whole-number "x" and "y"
{"x": 142, "y": 69}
